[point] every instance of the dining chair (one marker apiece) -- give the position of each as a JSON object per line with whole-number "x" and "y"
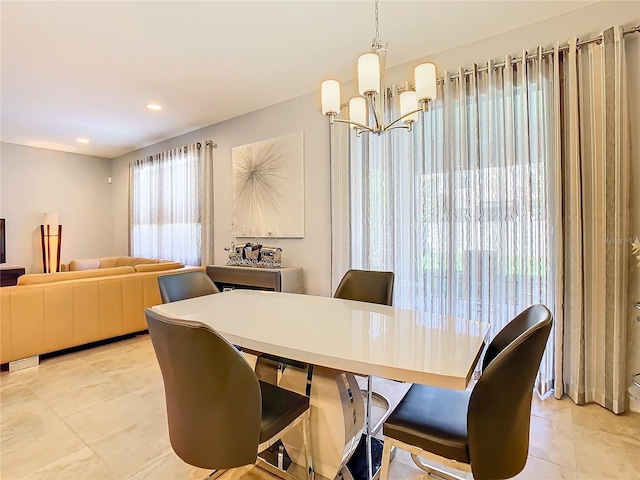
{"x": 180, "y": 286}
{"x": 485, "y": 430}
{"x": 373, "y": 287}
{"x": 220, "y": 415}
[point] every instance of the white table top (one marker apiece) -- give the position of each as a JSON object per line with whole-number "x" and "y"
{"x": 351, "y": 336}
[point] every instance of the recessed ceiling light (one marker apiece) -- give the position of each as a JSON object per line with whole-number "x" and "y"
{"x": 83, "y": 140}
{"x": 154, "y": 106}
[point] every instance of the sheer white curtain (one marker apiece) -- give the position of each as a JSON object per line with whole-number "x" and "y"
{"x": 460, "y": 208}
{"x": 171, "y": 205}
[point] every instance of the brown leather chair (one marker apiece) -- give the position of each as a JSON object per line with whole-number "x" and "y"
{"x": 220, "y": 415}
{"x": 366, "y": 286}
{"x": 486, "y": 430}
{"x": 181, "y": 286}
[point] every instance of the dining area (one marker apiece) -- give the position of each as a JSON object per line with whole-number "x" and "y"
{"x": 271, "y": 379}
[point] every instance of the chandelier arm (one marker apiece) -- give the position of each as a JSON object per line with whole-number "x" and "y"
{"x": 423, "y": 109}
{"x": 359, "y": 125}
{"x": 371, "y": 104}
{"x": 402, "y": 127}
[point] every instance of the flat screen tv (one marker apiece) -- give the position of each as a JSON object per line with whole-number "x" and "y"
{"x": 3, "y": 251}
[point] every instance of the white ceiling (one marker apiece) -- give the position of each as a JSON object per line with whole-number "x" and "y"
{"x": 87, "y": 69}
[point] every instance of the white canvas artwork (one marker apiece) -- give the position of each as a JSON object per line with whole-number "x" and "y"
{"x": 268, "y": 188}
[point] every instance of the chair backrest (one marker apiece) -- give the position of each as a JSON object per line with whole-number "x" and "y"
{"x": 180, "y": 286}
{"x": 213, "y": 396}
{"x": 499, "y": 413}
{"x": 366, "y": 286}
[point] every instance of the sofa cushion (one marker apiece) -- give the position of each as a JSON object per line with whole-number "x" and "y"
{"x": 84, "y": 264}
{"x": 109, "y": 262}
{"x": 155, "y": 267}
{"x": 39, "y": 278}
{"x": 133, "y": 261}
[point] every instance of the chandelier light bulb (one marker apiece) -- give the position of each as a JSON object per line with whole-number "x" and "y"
{"x": 330, "y": 97}
{"x": 425, "y": 76}
{"x": 409, "y": 103}
{"x": 368, "y": 73}
{"x": 358, "y": 111}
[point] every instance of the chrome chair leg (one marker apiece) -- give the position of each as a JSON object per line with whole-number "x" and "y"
{"x": 386, "y": 404}
{"x": 433, "y": 470}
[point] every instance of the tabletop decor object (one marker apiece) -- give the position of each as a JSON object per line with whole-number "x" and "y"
{"x": 254, "y": 255}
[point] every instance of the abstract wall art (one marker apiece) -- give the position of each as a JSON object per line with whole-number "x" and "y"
{"x": 268, "y": 188}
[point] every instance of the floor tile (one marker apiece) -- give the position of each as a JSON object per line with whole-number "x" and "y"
{"x": 552, "y": 441}
{"x": 605, "y": 456}
{"x": 89, "y": 393}
{"x": 15, "y": 393}
{"x": 83, "y": 463}
{"x": 552, "y": 409}
{"x": 19, "y": 418}
{"x": 170, "y": 467}
{"x": 22, "y": 454}
{"x": 137, "y": 378}
{"x": 537, "y": 469}
{"x": 136, "y": 447}
{"x": 107, "y": 418}
{"x": 595, "y": 417}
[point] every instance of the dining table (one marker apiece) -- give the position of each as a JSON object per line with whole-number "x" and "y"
{"x": 339, "y": 339}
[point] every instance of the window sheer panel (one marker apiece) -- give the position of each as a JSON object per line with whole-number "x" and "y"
{"x": 172, "y": 206}
{"x": 459, "y": 209}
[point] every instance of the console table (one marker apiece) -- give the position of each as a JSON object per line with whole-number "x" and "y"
{"x": 289, "y": 280}
{"x": 9, "y": 275}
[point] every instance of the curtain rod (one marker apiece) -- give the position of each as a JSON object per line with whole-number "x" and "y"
{"x": 544, "y": 53}
{"x": 208, "y": 143}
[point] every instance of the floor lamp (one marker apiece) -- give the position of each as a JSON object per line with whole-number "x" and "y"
{"x": 51, "y": 237}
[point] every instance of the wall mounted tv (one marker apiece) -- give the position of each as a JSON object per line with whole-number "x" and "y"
{"x": 3, "y": 252}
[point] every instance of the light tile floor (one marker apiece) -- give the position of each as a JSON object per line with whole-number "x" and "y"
{"x": 100, "y": 414}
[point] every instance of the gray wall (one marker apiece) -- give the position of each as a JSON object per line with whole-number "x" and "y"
{"x": 34, "y": 181}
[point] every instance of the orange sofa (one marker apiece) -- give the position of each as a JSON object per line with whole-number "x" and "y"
{"x": 53, "y": 311}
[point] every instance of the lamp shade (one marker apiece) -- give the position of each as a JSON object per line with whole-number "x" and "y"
{"x": 51, "y": 219}
{"x": 425, "y": 76}
{"x": 408, "y": 103}
{"x": 368, "y": 73}
{"x": 358, "y": 111}
{"x": 330, "y": 97}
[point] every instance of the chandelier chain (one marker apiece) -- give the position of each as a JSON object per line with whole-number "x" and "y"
{"x": 377, "y": 43}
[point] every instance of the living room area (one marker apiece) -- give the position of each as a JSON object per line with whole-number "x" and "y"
{"x": 78, "y": 415}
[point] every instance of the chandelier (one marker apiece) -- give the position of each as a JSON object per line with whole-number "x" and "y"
{"x": 370, "y": 72}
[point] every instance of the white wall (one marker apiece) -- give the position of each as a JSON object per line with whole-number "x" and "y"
{"x": 36, "y": 180}
{"x": 299, "y": 115}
